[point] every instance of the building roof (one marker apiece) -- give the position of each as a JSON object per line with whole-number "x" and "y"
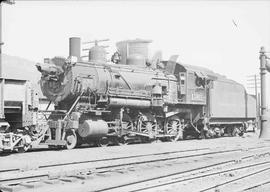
{"x": 19, "y": 68}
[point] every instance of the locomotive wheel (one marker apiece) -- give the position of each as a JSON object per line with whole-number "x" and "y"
{"x": 24, "y": 144}
{"x": 236, "y": 132}
{"x": 209, "y": 134}
{"x": 103, "y": 142}
{"x": 149, "y": 128}
{"x": 174, "y": 128}
{"x": 127, "y": 125}
{"x": 71, "y": 139}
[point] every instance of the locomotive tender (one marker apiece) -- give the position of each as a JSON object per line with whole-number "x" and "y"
{"x": 134, "y": 99}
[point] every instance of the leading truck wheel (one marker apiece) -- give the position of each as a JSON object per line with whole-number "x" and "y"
{"x": 71, "y": 139}
{"x": 103, "y": 142}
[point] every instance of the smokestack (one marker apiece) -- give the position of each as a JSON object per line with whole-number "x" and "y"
{"x": 75, "y": 47}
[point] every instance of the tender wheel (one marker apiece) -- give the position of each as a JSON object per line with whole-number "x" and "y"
{"x": 103, "y": 142}
{"x": 71, "y": 139}
{"x": 236, "y": 132}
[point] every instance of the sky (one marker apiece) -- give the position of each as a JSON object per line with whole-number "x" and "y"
{"x": 224, "y": 36}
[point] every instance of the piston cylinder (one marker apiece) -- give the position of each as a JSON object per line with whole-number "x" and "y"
{"x": 92, "y": 128}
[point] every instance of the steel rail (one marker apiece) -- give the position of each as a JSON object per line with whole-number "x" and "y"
{"x": 224, "y": 171}
{"x": 103, "y": 169}
{"x": 256, "y": 186}
{"x": 190, "y": 178}
{"x": 239, "y": 178}
{"x": 46, "y": 176}
{"x": 107, "y": 159}
{"x": 125, "y": 157}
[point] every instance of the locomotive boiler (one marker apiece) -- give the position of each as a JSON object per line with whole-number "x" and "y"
{"x": 135, "y": 99}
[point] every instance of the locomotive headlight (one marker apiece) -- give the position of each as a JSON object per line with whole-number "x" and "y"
{"x": 72, "y": 60}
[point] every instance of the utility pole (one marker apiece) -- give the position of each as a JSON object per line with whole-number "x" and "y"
{"x": 264, "y": 66}
{"x": 2, "y": 113}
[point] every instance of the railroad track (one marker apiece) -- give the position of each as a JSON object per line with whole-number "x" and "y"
{"x": 195, "y": 179}
{"x": 46, "y": 175}
{"x": 263, "y": 185}
{"x": 104, "y": 160}
{"x": 192, "y": 179}
{"x": 99, "y": 165}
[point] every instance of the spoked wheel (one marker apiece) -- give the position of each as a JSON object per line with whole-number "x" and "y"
{"x": 148, "y": 127}
{"x": 174, "y": 128}
{"x": 236, "y": 132}
{"x": 127, "y": 125}
{"x": 103, "y": 142}
{"x": 71, "y": 139}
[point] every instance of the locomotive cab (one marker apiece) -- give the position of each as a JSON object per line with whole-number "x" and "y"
{"x": 192, "y": 83}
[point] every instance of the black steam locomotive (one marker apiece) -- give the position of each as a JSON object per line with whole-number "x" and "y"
{"x": 134, "y": 99}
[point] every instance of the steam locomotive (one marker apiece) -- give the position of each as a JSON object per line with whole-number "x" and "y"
{"x": 134, "y": 99}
